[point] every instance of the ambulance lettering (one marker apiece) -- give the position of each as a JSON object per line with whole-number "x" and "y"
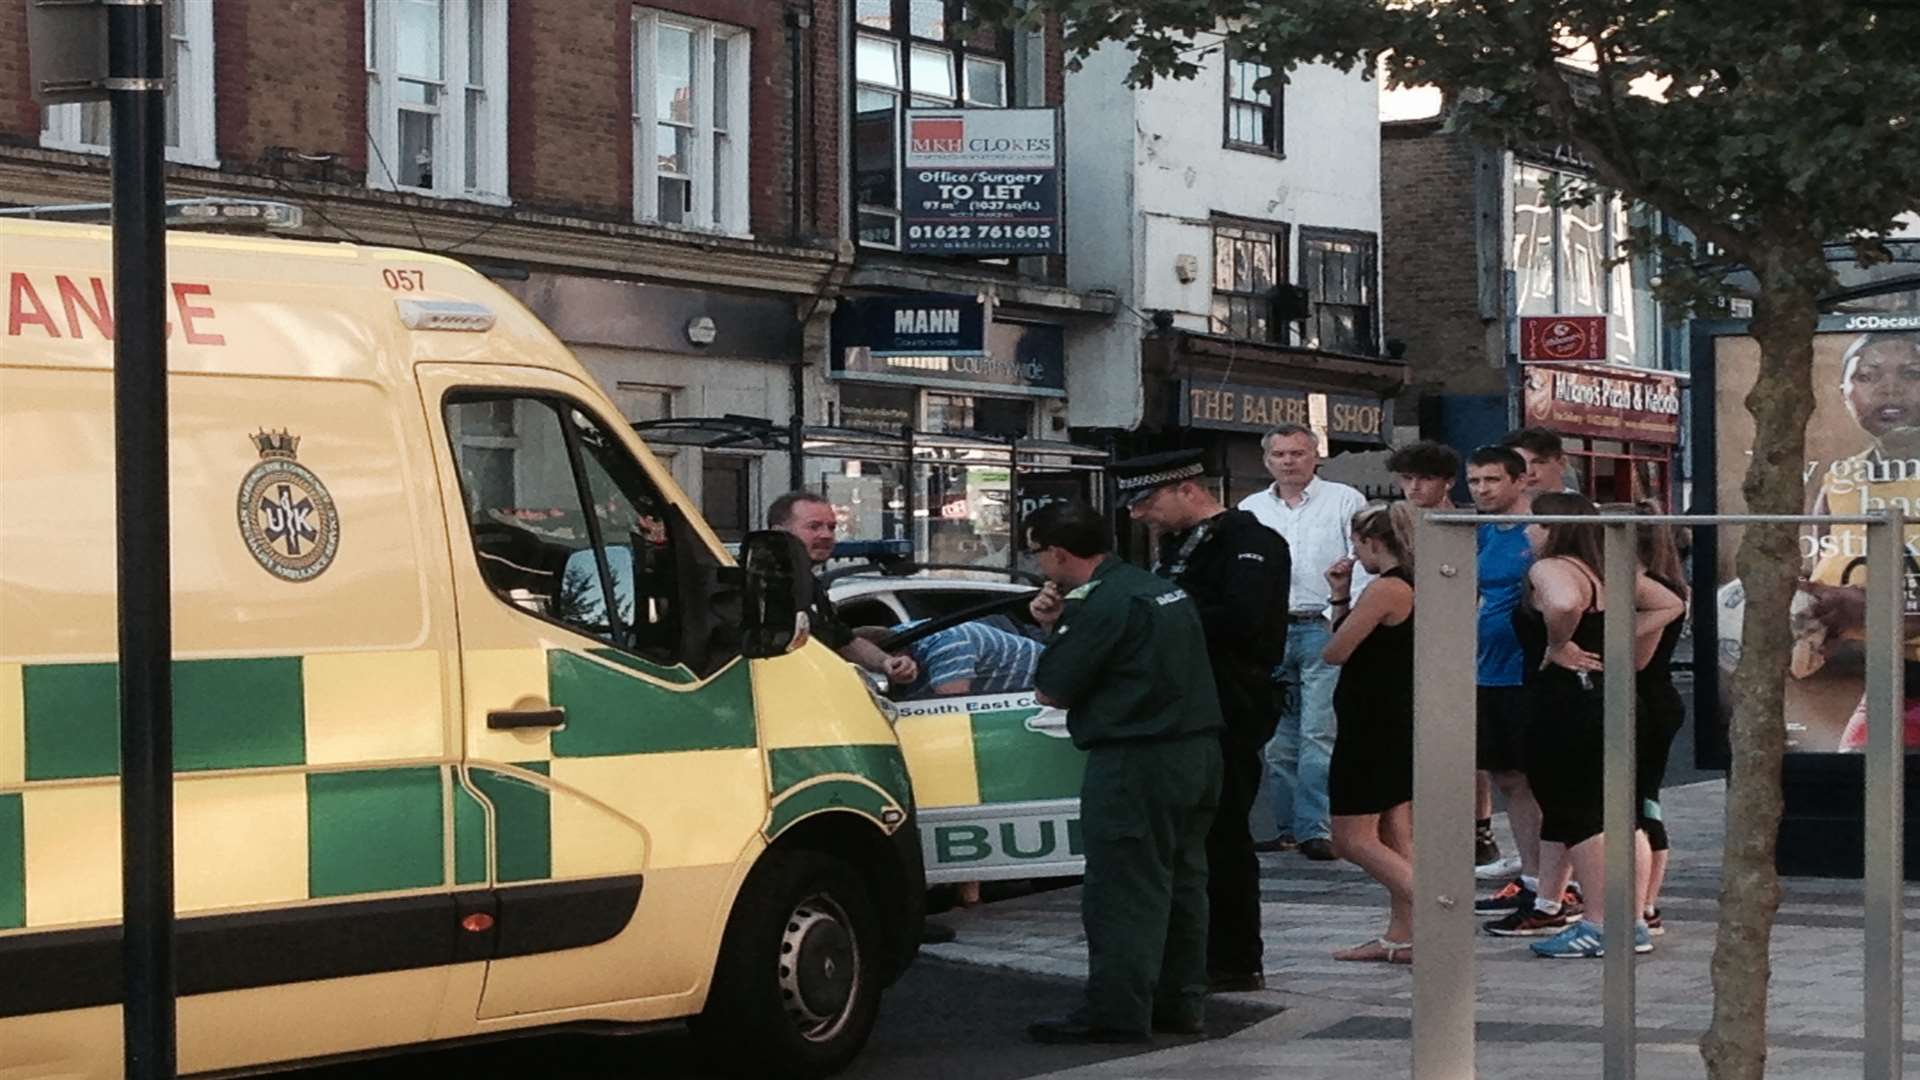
{"x": 84, "y": 311}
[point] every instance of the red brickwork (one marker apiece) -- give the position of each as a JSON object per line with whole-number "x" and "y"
{"x": 570, "y": 141}
{"x": 19, "y": 116}
{"x": 1429, "y": 259}
{"x": 289, "y": 73}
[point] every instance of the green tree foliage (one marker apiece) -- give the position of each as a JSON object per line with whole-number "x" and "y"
{"x": 1767, "y": 127}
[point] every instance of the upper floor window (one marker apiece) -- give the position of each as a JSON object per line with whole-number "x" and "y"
{"x": 690, "y": 81}
{"x": 906, "y": 55}
{"x": 1253, "y": 109}
{"x": 1339, "y": 269}
{"x": 189, "y": 107}
{"x": 437, "y": 97}
{"x": 1248, "y": 263}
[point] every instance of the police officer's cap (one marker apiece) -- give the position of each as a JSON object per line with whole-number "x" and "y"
{"x": 1136, "y": 478}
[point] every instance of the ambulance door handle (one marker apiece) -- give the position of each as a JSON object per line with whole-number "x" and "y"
{"x": 513, "y": 719}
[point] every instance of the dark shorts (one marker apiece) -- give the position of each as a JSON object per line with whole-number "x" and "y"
{"x": 1500, "y": 745}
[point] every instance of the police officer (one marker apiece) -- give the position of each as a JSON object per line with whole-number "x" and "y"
{"x": 1127, "y": 659}
{"x": 1237, "y": 571}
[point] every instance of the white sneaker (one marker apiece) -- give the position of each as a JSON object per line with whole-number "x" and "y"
{"x": 1499, "y": 868}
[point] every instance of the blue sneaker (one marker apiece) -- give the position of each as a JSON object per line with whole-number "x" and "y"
{"x": 1585, "y": 941}
{"x": 1581, "y": 941}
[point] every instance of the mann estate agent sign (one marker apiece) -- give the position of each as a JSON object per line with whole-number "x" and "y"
{"x": 981, "y": 182}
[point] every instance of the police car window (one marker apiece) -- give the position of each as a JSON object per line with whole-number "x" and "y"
{"x": 554, "y": 533}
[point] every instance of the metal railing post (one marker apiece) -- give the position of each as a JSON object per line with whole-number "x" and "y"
{"x": 1884, "y": 811}
{"x": 1445, "y": 585}
{"x": 1621, "y": 813}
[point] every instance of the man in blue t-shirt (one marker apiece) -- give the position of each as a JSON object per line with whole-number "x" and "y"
{"x": 1496, "y": 478}
{"x": 971, "y": 658}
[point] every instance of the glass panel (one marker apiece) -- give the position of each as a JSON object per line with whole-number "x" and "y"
{"x": 418, "y": 93}
{"x": 674, "y": 146}
{"x": 1222, "y": 259}
{"x": 676, "y": 200}
{"x": 1005, "y": 417}
{"x": 416, "y": 148}
{"x": 176, "y": 61}
{"x": 875, "y": 408}
{"x": 529, "y": 530}
{"x": 721, "y": 47}
{"x": 1532, "y": 243}
{"x": 96, "y": 123}
{"x": 932, "y": 73}
{"x": 476, "y": 104}
{"x": 874, "y": 136}
{"x": 1262, "y": 265}
{"x": 417, "y": 38}
{"x": 877, "y": 61}
{"x": 477, "y": 42}
{"x": 373, "y": 33}
{"x": 927, "y": 19}
{"x": 633, "y": 526}
{"x": 673, "y": 77}
{"x": 1582, "y": 254}
{"x": 874, "y": 14}
{"x": 722, "y": 149}
{"x": 879, "y": 229}
{"x": 986, "y": 82}
{"x": 950, "y": 414}
{"x": 725, "y": 490}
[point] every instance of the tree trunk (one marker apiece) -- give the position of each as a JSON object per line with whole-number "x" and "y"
{"x": 1785, "y": 316}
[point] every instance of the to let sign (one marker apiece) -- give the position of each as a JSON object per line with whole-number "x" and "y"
{"x": 1563, "y": 339}
{"x": 1608, "y": 403}
{"x": 981, "y": 182}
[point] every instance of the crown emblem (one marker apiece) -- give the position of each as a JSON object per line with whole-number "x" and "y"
{"x": 276, "y": 444}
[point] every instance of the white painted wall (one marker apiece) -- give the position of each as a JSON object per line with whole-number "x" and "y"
{"x": 1147, "y": 170}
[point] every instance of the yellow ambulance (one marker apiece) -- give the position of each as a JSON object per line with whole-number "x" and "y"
{"x": 472, "y": 735}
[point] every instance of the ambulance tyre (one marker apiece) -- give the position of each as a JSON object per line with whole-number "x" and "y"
{"x": 797, "y": 988}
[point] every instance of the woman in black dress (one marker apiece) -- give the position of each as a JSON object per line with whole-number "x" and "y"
{"x": 1370, "y": 785}
{"x": 1661, "y": 711}
{"x": 1561, "y": 629}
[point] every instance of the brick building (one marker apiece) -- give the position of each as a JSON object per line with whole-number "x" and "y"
{"x": 668, "y": 184}
{"x": 1473, "y": 241}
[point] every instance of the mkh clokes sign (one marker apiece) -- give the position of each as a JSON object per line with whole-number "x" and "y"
{"x": 982, "y": 182}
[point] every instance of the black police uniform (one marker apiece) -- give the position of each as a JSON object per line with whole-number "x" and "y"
{"x": 1238, "y": 572}
{"x": 1128, "y": 660}
{"x": 824, "y": 622}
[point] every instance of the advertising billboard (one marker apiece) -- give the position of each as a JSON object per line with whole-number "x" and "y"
{"x": 981, "y": 182}
{"x": 1863, "y": 456}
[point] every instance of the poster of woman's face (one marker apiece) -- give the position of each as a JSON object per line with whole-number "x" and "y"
{"x": 1862, "y": 456}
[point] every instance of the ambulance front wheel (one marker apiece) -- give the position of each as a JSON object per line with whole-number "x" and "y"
{"x": 797, "y": 988}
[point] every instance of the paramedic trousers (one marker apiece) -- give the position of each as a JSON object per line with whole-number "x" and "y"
{"x": 1145, "y": 808}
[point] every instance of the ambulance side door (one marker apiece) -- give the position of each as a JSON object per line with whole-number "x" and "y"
{"x": 613, "y": 777}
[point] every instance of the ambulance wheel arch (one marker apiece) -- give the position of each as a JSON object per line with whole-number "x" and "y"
{"x": 806, "y": 953}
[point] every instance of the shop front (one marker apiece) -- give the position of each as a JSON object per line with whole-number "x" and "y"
{"x": 946, "y": 420}
{"x": 1223, "y": 395}
{"x": 1621, "y": 427}
{"x": 662, "y": 352}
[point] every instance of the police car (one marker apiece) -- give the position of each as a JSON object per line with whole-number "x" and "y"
{"x": 996, "y": 779}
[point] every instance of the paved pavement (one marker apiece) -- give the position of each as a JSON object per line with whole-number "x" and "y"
{"x": 1536, "y": 1017}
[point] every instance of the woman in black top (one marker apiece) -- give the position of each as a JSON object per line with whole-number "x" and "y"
{"x": 1562, "y": 631}
{"x": 1661, "y": 711}
{"x": 1370, "y": 783}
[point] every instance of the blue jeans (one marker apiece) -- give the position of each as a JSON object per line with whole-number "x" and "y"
{"x": 1301, "y": 750}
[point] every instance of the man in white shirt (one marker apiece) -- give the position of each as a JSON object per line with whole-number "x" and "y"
{"x": 1315, "y": 517}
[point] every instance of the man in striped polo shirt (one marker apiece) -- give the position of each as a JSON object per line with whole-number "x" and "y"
{"x": 971, "y": 658}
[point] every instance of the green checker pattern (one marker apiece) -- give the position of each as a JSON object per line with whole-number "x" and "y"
{"x": 612, "y": 712}
{"x": 1018, "y": 765}
{"x": 378, "y": 830}
{"x": 13, "y": 864}
{"x": 227, "y": 714}
{"x": 523, "y": 827}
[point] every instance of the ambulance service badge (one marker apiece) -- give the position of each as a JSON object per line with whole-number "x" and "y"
{"x": 287, "y": 518}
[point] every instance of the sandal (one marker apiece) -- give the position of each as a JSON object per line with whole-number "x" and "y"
{"x": 1378, "y": 950}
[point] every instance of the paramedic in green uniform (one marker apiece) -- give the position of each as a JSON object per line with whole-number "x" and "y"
{"x": 1127, "y": 659}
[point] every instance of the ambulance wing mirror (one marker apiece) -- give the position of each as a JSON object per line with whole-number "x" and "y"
{"x": 776, "y": 593}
